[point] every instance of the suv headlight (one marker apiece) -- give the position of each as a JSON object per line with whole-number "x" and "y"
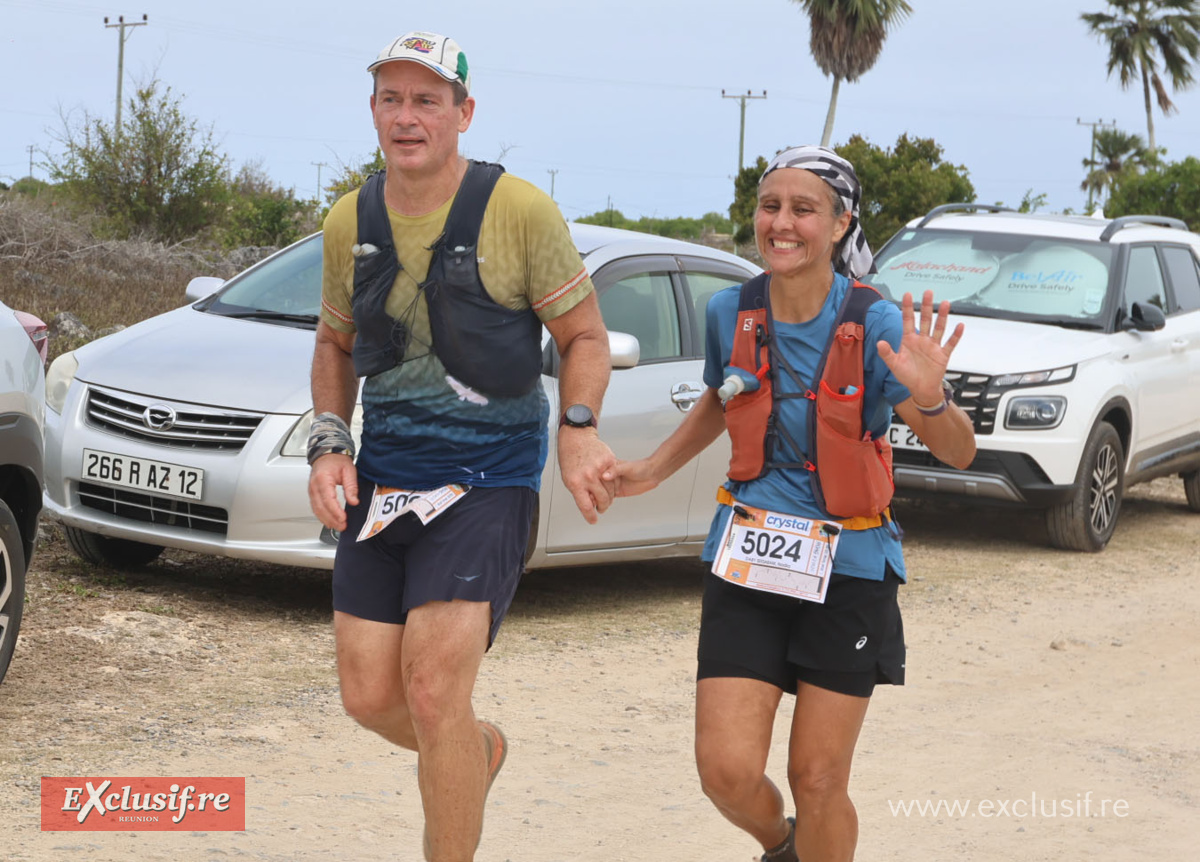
{"x": 1033, "y": 378}
{"x": 1035, "y": 411}
{"x": 296, "y": 443}
{"x": 58, "y": 380}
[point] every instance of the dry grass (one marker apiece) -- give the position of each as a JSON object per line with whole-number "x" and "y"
{"x": 52, "y": 264}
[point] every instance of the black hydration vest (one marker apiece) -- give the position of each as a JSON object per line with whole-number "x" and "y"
{"x": 492, "y": 349}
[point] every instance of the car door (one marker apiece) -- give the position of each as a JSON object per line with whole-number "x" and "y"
{"x": 640, "y": 296}
{"x": 1183, "y": 273}
{"x": 1159, "y": 359}
{"x": 702, "y": 279}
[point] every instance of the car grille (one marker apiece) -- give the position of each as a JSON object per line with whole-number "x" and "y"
{"x": 977, "y": 398}
{"x": 193, "y": 428}
{"x": 149, "y": 509}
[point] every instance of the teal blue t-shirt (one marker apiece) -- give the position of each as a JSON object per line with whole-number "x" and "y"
{"x": 860, "y": 553}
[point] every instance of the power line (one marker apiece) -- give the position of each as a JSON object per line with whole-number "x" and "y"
{"x": 742, "y": 132}
{"x": 123, "y": 25}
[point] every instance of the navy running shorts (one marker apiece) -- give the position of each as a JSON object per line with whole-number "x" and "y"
{"x": 474, "y": 551}
{"x": 848, "y": 644}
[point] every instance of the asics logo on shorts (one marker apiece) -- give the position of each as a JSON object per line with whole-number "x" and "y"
{"x": 862, "y": 642}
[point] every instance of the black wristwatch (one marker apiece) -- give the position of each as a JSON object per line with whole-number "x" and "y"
{"x": 578, "y": 416}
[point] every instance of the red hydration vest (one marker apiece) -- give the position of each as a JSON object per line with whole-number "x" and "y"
{"x": 851, "y": 474}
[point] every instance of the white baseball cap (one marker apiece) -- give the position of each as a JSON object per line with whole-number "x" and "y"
{"x": 439, "y": 53}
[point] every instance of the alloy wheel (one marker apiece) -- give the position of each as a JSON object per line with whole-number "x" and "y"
{"x": 1105, "y": 486}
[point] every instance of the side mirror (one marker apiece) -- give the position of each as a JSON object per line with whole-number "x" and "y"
{"x": 202, "y": 286}
{"x": 1146, "y": 317}
{"x": 624, "y": 349}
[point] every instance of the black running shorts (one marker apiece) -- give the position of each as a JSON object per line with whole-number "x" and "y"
{"x": 848, "y": 644}
{"x": 473, "y": 551}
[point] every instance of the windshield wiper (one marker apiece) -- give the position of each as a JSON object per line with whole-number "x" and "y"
{"x": 1073, "y": 323}
{"x": 262, "y": 314}
{"x": 1024, "y": 317}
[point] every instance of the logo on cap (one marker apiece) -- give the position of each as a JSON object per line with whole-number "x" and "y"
{"x": 425, "y": 46}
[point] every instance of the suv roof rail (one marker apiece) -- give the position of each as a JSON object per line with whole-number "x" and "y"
{"x": 1125, "y": 221}
{"x": 946, "y": 208}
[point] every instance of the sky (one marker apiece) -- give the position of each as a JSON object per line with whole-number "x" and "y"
{"x": 615, "y": 103}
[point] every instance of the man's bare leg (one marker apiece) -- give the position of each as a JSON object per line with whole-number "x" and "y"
{"x": 412, "y": 684}
{"x": 444, "y": 644}
{"x": 369, "y": 671}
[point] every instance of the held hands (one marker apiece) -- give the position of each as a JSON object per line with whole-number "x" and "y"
{"x": 923, "y": 358}
{"x": 328, "y": 472}
{"x": 633, "y": 477}
{"x": 587, "y": 466}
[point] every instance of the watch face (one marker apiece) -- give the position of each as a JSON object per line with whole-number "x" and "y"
{"x": 579, "y": 415}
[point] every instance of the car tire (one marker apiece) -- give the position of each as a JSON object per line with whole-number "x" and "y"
{"x": 1191, "y": 487}
{"x": 114, "y": 553}
{"x": 12, "y": 585}
{"x": 1086, "y": 521}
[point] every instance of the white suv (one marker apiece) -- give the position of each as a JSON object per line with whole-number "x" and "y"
{"x": 1080, "y": 365}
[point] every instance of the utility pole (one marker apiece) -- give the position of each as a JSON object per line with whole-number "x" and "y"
{"x": 742, "y": 133}
{"x": 1098, "y": 124}
{"x": 122, "y": 24}
{"x": 319, "y": 165}
{"x": 552, "y": 172}
{"x": 30, "y": 148}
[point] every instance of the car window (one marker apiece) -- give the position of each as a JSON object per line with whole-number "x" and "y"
{"x": 1144, "y": 279}
{"x": 703, "y": 285}
{"x": 643, "y": 305}
{"x": 997, "y": 274}
{"x": 289, "y": 283}
{"x": 1185, "y": 278}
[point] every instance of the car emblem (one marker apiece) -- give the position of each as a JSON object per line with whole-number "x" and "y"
{"x": 159, "y": 418}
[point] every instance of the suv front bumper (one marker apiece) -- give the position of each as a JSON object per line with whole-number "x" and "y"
{"x": 993, "y": 477}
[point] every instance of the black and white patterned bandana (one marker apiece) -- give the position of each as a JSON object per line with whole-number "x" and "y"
{"x": 855, "y": 259}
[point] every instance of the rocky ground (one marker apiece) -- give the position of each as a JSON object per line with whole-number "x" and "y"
{"x": 1037, "y": 678}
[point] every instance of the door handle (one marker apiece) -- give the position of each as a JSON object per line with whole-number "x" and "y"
{"x": 685, "y": 395}
{"x": 1179, "y": 345}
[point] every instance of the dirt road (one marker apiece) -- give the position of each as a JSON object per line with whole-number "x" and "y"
{"x": 1051, "y": 710}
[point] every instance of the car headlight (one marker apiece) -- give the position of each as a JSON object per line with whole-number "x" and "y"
{"x": 1035, "y": 411}
{"x": 296, "y": 443}
{"x": 1033, "y": 378}
{"x": 58, "y": 380}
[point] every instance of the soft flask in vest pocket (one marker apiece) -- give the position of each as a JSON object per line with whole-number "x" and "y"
{"x": 381, "y": 339}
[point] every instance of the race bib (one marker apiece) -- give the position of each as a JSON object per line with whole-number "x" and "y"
{"x": 388, "y": 504}
{"x": 777, "y": 553}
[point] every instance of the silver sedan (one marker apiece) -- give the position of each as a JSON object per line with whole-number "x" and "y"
{"x": 188, "y": 430}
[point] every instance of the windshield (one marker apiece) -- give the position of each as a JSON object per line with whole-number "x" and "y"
{"x": 285, "y": 289}
{"x": 999, "y": 275}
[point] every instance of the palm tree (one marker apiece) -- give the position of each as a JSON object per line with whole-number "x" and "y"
{"x": 1138, "y": 34}
{"x": 846, "y": 39}
{"x": 1114, "y": 153}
